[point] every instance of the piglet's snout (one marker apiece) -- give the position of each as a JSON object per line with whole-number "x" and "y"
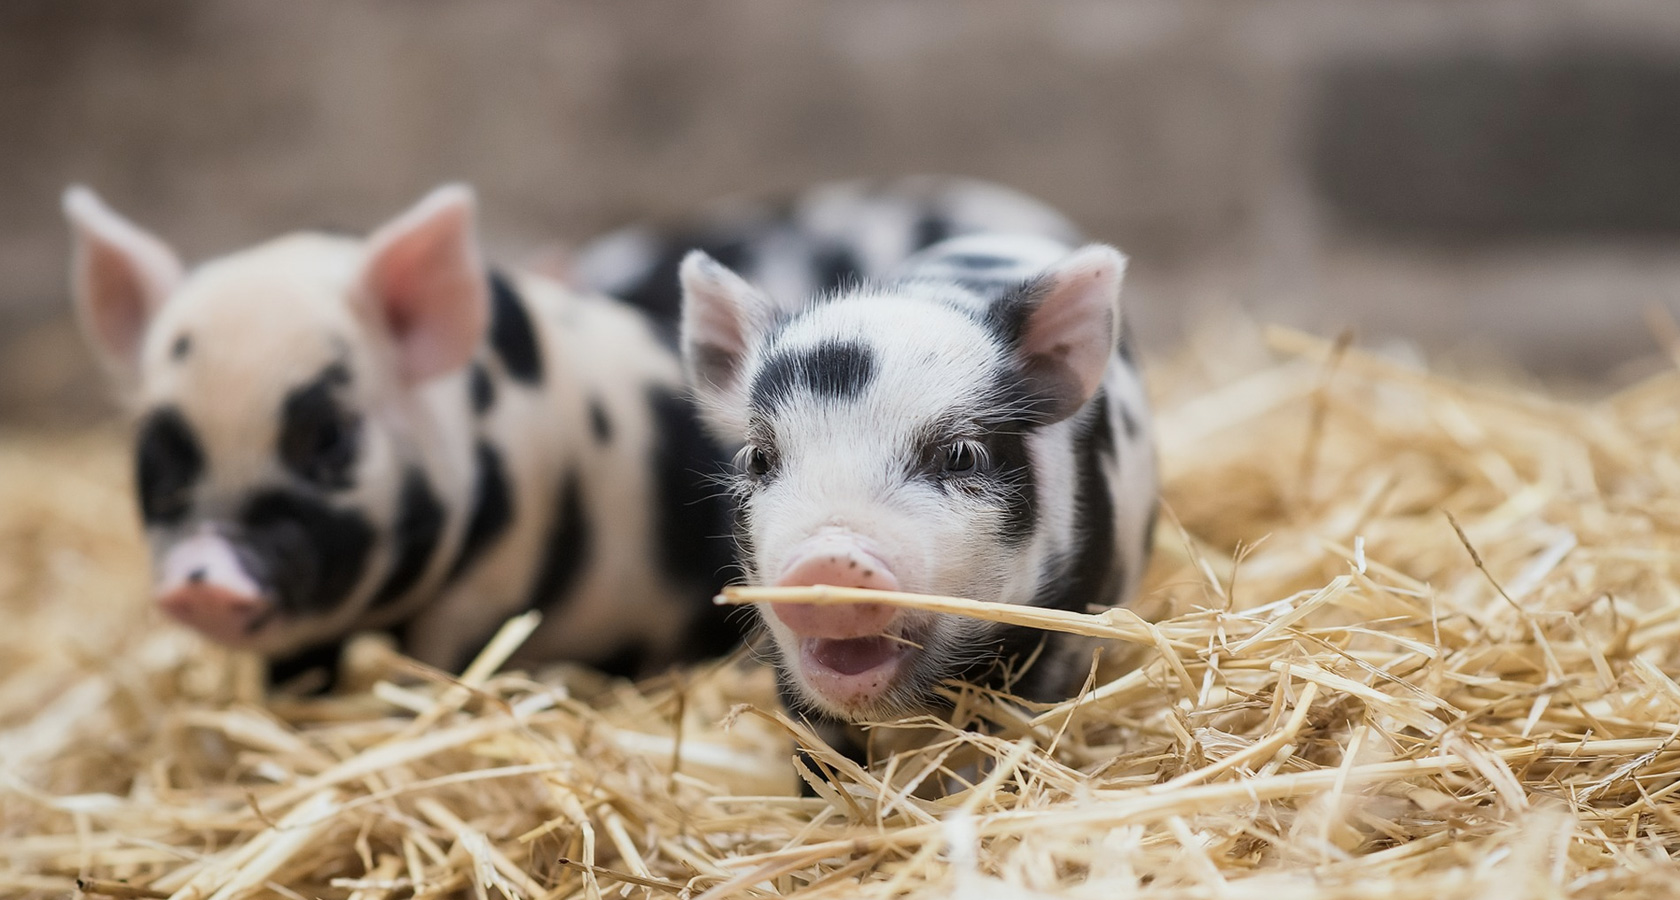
{"x": 840, "y": 561}
{"x": 203, "y": 585}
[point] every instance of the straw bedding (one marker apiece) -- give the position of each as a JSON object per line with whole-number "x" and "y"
{"x": 1405, "y": 636}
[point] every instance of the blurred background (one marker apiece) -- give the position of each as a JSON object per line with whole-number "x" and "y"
{"x": 1499, "y": 177}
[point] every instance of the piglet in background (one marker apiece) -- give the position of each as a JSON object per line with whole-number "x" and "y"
{"x": 818, "y": 240}
{"x": 338, "y": 434}
{"x": 972, "y": 425}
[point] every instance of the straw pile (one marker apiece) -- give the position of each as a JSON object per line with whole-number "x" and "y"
{"x": 1405, "y": 637}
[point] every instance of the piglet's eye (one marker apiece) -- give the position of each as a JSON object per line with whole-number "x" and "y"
{"x": 963, "y": 458}
{"x": 755, "y": 462}
{"x": 322, "y": 450}
{"x": 320, "y": 438}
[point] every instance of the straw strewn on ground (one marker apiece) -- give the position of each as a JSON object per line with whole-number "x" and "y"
{"x": 1405, "y": 637}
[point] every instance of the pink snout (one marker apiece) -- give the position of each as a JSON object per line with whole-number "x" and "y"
{"x": 221, "y": 615}
{"x": 202, "y": 585}
{"x": 838, "y": 561}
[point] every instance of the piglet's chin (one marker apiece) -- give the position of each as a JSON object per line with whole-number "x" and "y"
{"x": 852, "y": 673}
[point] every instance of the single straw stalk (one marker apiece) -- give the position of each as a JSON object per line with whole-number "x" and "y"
{"x": 1117, "y": 624}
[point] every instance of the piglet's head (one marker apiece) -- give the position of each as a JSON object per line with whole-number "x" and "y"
{"x": 289, "y": 452}
{"x": 888, "y": 439}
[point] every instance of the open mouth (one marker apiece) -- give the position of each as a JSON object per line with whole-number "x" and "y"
{"x": 854, "y": 656}
{"x": 852, "y": 672}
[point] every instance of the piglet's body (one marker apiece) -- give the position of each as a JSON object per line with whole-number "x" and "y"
{"x": 971, "y": 425}
{"x": 337, "y": 434}
{"x": 829, "y": 236}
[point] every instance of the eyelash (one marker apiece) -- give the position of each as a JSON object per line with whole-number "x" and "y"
{"x": 755, "y": 462}
{"x": 962, "y": 459}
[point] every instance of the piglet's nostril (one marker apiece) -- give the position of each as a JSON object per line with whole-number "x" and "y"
{"x": 846, "y": 568}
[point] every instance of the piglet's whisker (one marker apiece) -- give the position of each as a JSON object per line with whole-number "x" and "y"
{"x": 904, "y": 641}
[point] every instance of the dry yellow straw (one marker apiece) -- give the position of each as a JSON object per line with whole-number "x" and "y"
{"x": 1327, "y": 690}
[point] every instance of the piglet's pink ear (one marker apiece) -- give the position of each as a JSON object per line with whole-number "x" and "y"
{"x": 723, "y": 318}
{"x": 1070, "y": 326}
{"x": 427, "y": 282}
{"x": 120, "y": 276}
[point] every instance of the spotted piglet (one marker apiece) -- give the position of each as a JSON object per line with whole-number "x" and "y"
{"x": 973, "y": 425}
{"x": 339, "y": 434}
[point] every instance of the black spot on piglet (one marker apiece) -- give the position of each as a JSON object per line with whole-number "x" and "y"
{"x": 694, "y": 521}
{"x": 931, "y": 229}
{"x": 835, "y": 267}
{"x": 599, "y": 422}
{"x": 511, "y": 334}
{"x": 168, "y": 463}
{"x": 840, "y": 369}
{"x": 565, "y": 549}
{"x": 492, "y": 510}
{"x": 658, "y": 291}
{"x": 415, "y": 539}
{"x": 309, "y": 554}
{"x": 481, "y": 388}
{"x": 626, "y": 662}
{"x": 310, "y": 670}
{"x": 319, "y": 437}
{"x": 1096, "y": 571}
{"x": 978, "y": 261}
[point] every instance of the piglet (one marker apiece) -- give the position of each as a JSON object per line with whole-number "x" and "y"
{"x": 973, "y": 424}
{"x": 338, "y": 434}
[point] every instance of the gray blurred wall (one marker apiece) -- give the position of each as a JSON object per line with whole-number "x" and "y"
{"x": 1496, "y": 174}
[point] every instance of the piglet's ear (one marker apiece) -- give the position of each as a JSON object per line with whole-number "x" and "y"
{"x": 722, "y": 318}
{"x": 427, "y": 283}
{"x": 120, "y": 276}
{"x": 1068, "y": 324}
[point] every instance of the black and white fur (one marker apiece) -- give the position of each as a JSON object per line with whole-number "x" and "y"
{"x": 972, "y": 425}
{"x": 337, "y": 434}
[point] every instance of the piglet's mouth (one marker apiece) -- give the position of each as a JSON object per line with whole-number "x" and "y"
{"x": 852, "y": 672}
{"x": 854, "y": 656}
